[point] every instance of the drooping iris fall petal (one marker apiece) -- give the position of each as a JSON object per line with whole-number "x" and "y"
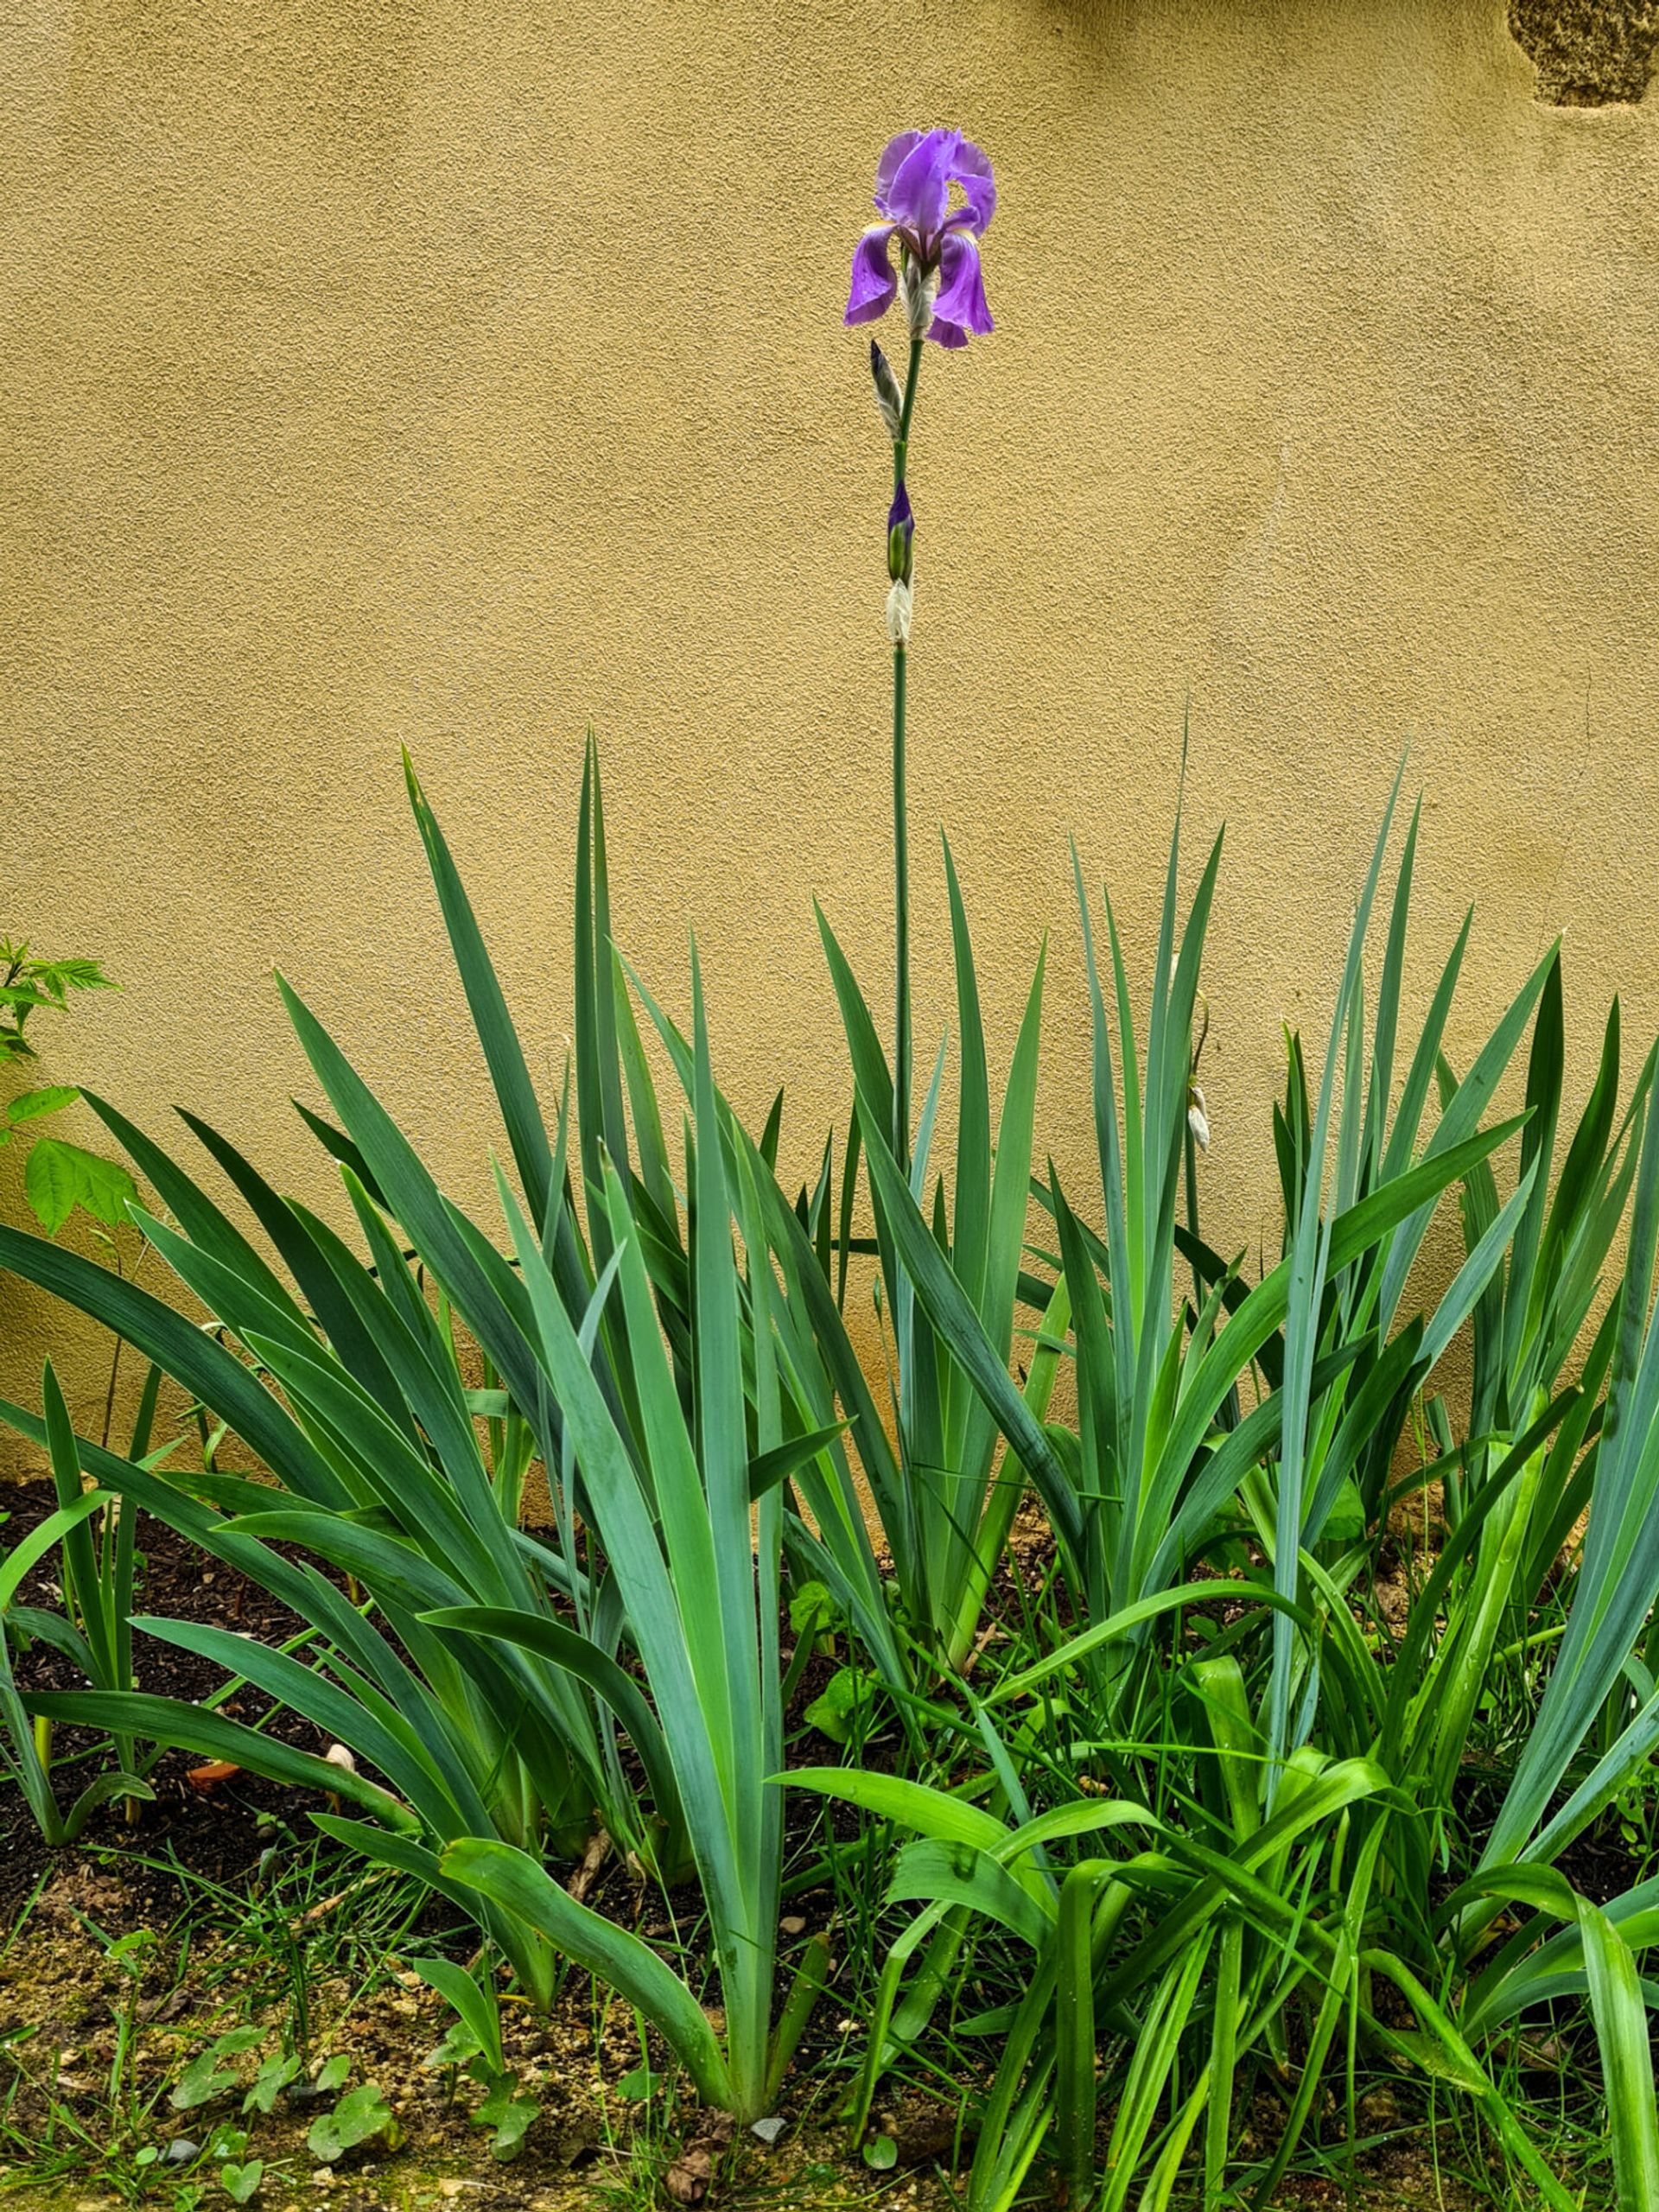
{"x": 960, "y": 310}
{"x": 874, "y": 280}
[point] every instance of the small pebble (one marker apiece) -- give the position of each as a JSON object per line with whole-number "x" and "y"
{"x": 768, "y": 2130}
{"x": 181, "y": 2149}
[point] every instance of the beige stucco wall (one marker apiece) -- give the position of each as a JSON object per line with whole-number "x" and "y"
{"x": 454, "y": 376}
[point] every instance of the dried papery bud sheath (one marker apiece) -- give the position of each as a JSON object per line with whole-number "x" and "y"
{"x": 1198, "y": 1119}
{"x": 919, "y": 288}
{"x": 888, "y": 398}
{"x": 901, "y": 531}
{"x": 899, "y": 605}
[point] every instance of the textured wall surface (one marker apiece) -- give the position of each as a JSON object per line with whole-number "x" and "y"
{"x": 387, "y": 372}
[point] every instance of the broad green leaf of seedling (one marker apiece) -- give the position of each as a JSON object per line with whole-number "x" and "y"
{"x": 846, "y": 1691}
{"x": 361, "y": 2115}
{"x": 460, "y": 2047}
{"x": 508, "y": 2111}
{"x": 274, "y": 2075}
{"x": 207, "y": 2077}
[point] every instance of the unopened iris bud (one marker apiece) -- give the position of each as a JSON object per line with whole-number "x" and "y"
{"x": 888, "y": 398}
{"x": 901, "y": 529}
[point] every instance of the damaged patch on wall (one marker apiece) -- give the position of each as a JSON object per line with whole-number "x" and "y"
{"x": 1587, "y": 52}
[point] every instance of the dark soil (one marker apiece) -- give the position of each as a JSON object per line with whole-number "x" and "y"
{"x": 215, "y": 1833}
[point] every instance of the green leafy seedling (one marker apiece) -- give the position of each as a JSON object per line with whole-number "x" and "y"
{"x": 207, "y": 2077}
{"x": 476, "y": 2030}
{"x": 241, "y": 2183}
{"x": 508, "y": 2111}
{"x": 812, "y": 1615}
{"x": 274, "y": 2075}
{"x": 472, "y": 2043}
{"x": 459, "y": 2047}
{"x": 128, "y": 1952}
{"x": 848, "y": 1692}
{"x": 361, "y": 2116}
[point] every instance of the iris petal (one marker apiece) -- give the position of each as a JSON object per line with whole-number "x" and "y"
{"x": 960, "y": 310}
{"x": 887, "y": 168}
{"x": 875, "y": 282}
{"x": 972, "y": 171}
{"x": 918, "y": 198}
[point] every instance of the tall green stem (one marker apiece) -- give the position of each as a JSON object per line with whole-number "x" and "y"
{"x": 901, "y": 1068}
{"x": 901, "y": 919}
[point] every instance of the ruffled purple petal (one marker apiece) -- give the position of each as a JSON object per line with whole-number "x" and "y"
{"x": 887, "y": 168}
{"x": 875, "y": 280}
{"x": 919, "y": 197}
{"x": 960, "y": 310}
{"x": 972, "y": 171}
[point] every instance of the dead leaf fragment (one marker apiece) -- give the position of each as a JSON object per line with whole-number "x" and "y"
{"x": 206, "y": 1778}
{"x": 689, "y": 2174}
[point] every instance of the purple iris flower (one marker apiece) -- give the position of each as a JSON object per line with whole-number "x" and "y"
{"x": 913, "y": 181}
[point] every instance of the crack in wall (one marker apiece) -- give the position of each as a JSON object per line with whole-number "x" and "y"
{"x": 1587, "y": 52}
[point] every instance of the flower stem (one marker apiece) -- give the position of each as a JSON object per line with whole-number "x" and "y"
{"x": 901, "y": 920}
{"x": 901, "y": 1067}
